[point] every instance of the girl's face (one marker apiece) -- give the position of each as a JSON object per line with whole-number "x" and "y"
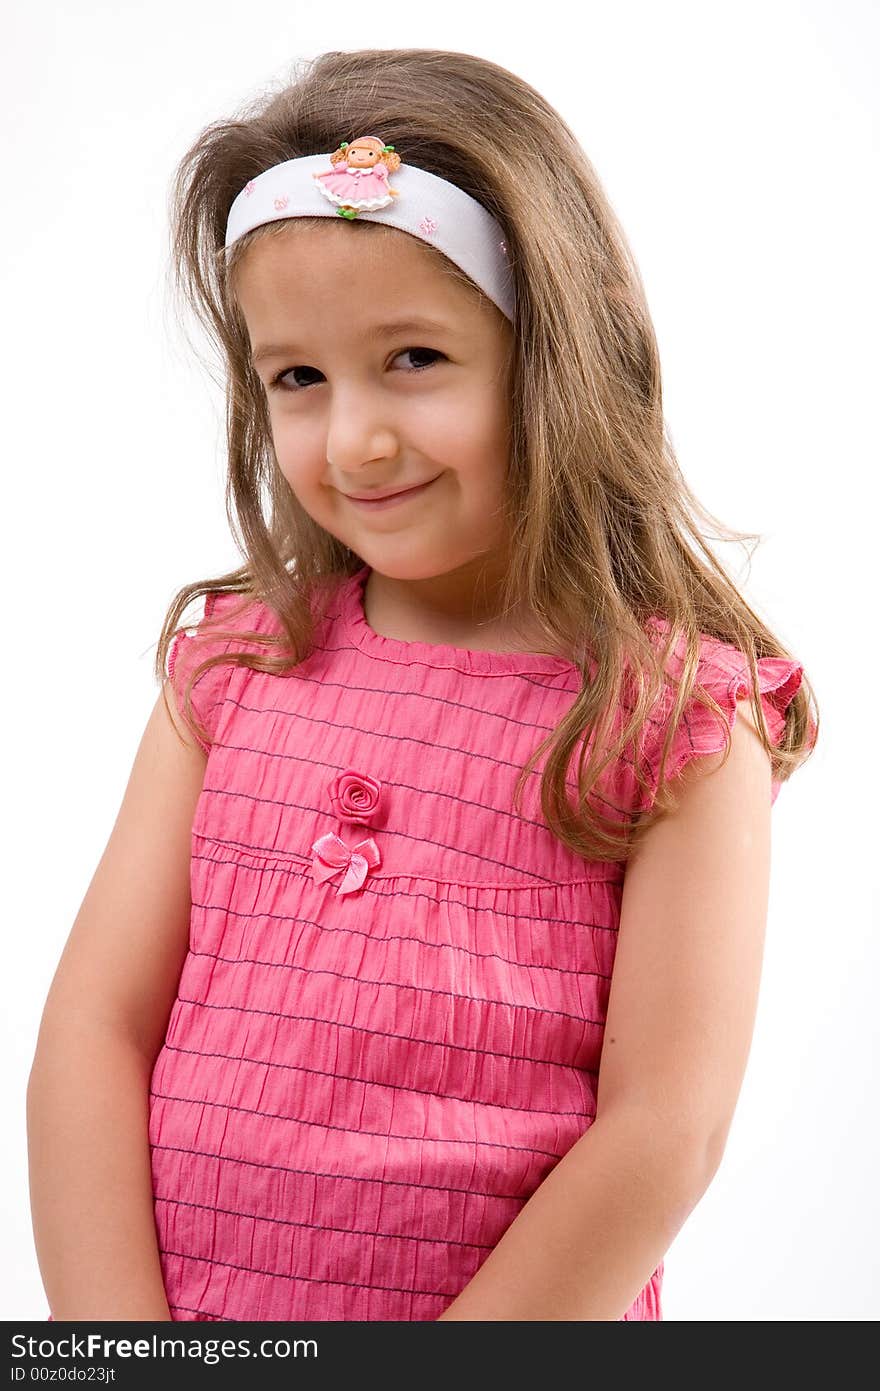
{"x": 383, "y": 372}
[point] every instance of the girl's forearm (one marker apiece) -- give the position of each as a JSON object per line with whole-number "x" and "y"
{"x": 592, "y": 1234}
{"x": 90, "y": 1178}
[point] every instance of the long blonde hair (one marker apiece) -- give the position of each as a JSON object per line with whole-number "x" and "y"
{"x": 605, "y": 528}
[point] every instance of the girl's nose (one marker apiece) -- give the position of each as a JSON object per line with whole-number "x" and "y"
{"x": 358, "y": 434}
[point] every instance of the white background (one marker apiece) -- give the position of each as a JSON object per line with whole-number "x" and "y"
{"x": 738, "y": 145}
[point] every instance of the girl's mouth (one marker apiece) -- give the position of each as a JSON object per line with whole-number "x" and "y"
{"x": 379, "y": 504}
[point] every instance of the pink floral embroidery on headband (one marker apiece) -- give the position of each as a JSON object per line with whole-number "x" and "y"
{"x": 281, "y": 203}
{"x": 249, "y": 188}
{"x": 427, "y": 225}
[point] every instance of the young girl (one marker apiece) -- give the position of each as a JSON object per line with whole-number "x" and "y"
{"x": 418, "y": 977}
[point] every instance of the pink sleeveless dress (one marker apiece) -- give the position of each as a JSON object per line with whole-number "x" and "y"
{"x": 380, "y": 1047}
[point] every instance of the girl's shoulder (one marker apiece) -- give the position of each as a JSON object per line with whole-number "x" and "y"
{"x": 226, "y": 620}
{"x": 226, "y": 617}
{"x": 233, "y": 622}
{"x": 722, "y": 668}
{"x": 723, "y": 673}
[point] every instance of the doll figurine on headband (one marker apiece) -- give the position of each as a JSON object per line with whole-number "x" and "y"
{"x": 363, "y": 185}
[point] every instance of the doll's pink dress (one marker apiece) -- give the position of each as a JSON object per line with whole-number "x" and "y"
{"x": 359, "y": 1091}
{"x": 365, "y": 189}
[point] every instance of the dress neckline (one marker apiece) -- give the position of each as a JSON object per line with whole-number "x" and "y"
{"x": 436, "y": 654}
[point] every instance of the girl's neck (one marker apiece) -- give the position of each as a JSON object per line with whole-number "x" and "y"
{"x": 445, "y": 614}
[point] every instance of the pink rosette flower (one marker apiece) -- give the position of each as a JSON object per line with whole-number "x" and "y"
{"x": 355, "y": 797}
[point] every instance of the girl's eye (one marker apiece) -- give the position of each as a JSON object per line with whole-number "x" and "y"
{"x": 278, "y": 384}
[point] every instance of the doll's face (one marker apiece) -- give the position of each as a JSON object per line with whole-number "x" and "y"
{"x": 361, "y": 156}
{"x": 382, "y": 372}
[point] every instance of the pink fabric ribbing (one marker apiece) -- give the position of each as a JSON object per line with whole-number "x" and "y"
{"x": 358, "y": 1092}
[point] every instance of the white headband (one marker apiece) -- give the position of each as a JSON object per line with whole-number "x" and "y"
{"x": 411, "y": 199}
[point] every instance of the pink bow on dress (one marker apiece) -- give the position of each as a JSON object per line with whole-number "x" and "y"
{"x": 332, "y": 854}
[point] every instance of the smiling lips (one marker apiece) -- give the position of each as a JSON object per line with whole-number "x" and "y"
{"x": 390, "y": 499}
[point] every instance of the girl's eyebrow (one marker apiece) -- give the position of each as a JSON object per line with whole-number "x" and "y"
{"x": 390, "y": 330}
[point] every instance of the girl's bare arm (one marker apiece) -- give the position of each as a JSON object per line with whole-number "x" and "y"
{"x": 103, "y": 1024}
